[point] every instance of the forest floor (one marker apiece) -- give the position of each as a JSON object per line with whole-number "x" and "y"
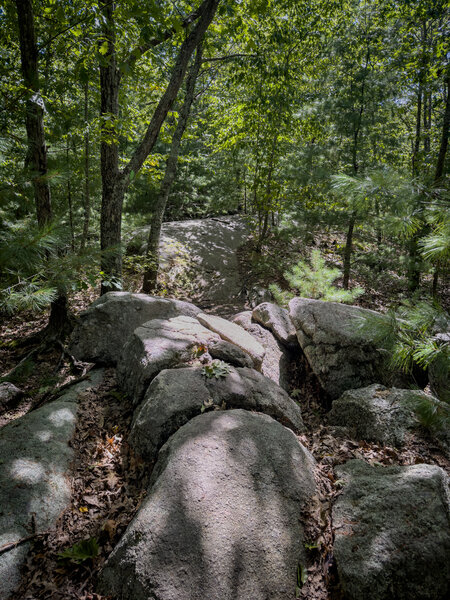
{"x": 109, "y": 483}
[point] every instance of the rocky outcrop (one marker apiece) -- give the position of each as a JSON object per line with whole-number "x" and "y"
{"x": 104, "y": 328}
{"x": 278, "y": 361}
{"x": 34, "y": 485}
{"x": 9, "y": 395}
{"x": 157, "y": 345}
{"x": 176, "y": 396}
{"x": 392, "y": 532}
{"x": 277, "y": 319}
{"x": 341, "y": 354}
{"x": 221, "y": 518}
{"x": 376, "y": 413}
{"x": 233, "y": 333}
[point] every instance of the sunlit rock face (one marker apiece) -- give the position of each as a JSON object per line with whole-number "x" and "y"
{"x": 177, "y": 395}
{"x": 222, "y": 516}
{"x": 104, "y": 328}
{"x": 34, "y": 488}
{"x": 392, "y": 532}
{"x": 157, "y": 345}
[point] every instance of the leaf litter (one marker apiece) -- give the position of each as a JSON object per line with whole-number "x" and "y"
{"x": 108, "y": 485}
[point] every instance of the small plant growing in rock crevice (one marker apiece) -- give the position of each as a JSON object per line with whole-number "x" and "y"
{"x": 217, "y": 369}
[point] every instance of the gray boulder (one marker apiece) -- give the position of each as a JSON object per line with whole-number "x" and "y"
{"x": 376, "y": 413}
{"x": 341, "y": 355}
{"x": 157, "y": 345}
{"x": 9, "y": 395}
{"x": 104, "y": 328}
{"x": 231, "y": 332}
{"x": 278, "y": 361}
{"x": 221, "y": 520}
{"x": 277, "y": 319}
{"x": 34, "y": 486}
{"x": 175, "y": 396}
{"x": 258, "y": 294}
{"x": 392, "y": 532}
{"x": 230, "y": 353}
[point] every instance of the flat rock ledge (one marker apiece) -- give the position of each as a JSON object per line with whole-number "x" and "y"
{"x": 34, "y": 462}
{"x": 221, "y": 518}
{"x": 158, "y": 345}
{"x": 104, "y": 328}
{"x": 231, "y": 332}
{"x": 175, "y": 396}
{"x": 392, "y": 532}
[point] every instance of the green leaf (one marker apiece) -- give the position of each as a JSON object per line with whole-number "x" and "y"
{"x": 103, "y": 49}
{"x": 78, "y": 553}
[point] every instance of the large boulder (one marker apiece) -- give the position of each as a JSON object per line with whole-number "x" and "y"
{"x": 341, "y": 354}
{"x": 157, "y": 345}
{"x": 104, "y": 328}
{"x": 34, "y": 484}
{"x": 175, "y": 396}
{"x": 392, "y": 532}
{"x": 376, "y": 413}
{"x": 231, "y": 332}
{"x": 277, "y": 319}
{"x": 278, "y": 361}
{"x": 222, "y": 516}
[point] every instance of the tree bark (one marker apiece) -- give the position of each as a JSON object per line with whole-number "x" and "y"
{"x": 445, "y": 133}
{"x": 152, "y": 254}
{"x": 36, "y": 159}
{"x": 115, "y": 182}
{"x": 86, "y": 195}
{"x": 348, "y": 251}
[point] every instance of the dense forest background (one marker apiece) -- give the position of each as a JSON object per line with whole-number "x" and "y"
{"x": 325, "y": 122}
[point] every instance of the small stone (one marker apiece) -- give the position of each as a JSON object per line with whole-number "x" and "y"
{"x": 9, "y": 395}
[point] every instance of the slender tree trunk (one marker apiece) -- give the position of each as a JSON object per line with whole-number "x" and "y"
{"x": 413, "y": 244}
{"x": 69, "y": 198}
{"x": 86, "y": 196}
{"x": 440, "y": 164}
{"x": 152, "y": 254}
{"x": 115, "y": 182}
{"x": 348, "y": 251}
{"x": 36, "y": 159}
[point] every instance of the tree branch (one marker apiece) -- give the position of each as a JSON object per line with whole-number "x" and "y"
{"x": 141, "y": 49}
{"x": 207, "y": 10}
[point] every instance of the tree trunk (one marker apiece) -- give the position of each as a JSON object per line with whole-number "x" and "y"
{"x": 445, "y": 133}
{"x": 152, "y": 254}
{"x": 115, "y": 182}
{"x": 112, "y": 191}
{"x": 36, "y": 159}
{"x": 348, "y": 251}
{"x": 86, "y": 198}
{"x": 69, "y": 198}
